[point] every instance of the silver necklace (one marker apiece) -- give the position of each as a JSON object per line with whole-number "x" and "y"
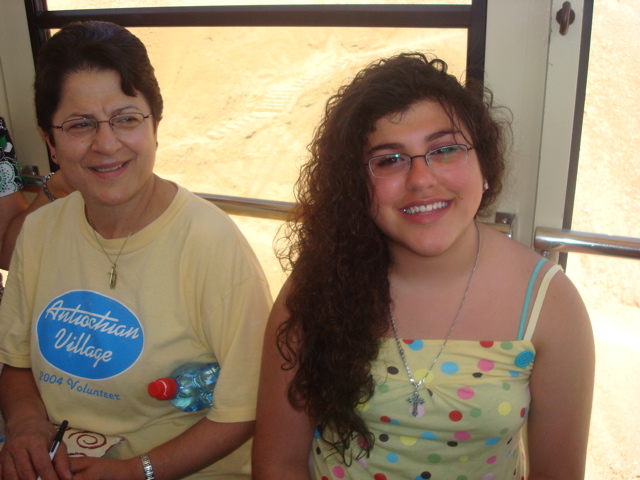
{"x": 113, "y": 273}
{"x": 415, "y": 399}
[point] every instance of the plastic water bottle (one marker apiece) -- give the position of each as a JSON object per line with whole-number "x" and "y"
{"x": 189, "y": 387}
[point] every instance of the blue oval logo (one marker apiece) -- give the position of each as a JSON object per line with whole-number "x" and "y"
{"x": 89, "y": 335}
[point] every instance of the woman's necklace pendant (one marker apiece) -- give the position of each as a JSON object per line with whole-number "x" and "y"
{"x": 415, "y": 400}
{"x": 113, "y": 277}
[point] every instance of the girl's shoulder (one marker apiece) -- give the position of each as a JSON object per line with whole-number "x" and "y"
{"x": 510, "y": 279}
{"x": 510, "y": 260}
{"x": 519, "y": 263}
{"x": 523, "y": 270}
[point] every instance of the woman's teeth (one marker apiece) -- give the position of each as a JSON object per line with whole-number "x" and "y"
{"x": 102, "y": 170}
{"x": 425, "y": 208}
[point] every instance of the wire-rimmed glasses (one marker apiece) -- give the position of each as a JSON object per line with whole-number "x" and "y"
{"x": 87, "y": 127}
{"x": 441, "y": 158}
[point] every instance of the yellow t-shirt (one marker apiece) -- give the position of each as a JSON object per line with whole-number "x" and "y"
{"x": 189, "y": 289}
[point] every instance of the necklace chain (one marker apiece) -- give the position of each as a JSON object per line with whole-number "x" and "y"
{"x": 415, "y": 399}
{"x": 113, "y": 273}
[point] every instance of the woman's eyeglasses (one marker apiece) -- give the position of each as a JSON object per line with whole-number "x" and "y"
{"x": 87, "y": 127}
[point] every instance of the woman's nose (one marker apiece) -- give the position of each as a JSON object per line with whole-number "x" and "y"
{"x": 105, "y": 140}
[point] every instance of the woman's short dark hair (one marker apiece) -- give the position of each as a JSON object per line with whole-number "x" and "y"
{"x": 98, "y": 46}
{"x": 338, "y": 292}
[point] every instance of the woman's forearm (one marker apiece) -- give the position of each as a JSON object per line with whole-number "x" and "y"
{"x": 19, "y": 395}
{"x": 203, "y": 444}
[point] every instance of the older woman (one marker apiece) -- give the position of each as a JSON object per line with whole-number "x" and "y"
{"x": 120, "y": 283}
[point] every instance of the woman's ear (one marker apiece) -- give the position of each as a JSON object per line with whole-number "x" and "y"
{"x": 52, "y": 148}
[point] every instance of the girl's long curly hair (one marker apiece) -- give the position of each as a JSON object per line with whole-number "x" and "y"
{"x": 338, "y": 297}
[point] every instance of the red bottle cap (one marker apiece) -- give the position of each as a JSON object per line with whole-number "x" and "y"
{"x": 163, "y": 389}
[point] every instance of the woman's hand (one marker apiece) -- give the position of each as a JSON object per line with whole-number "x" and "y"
{"x": 28, "y": 432}
{"x": 25, "y": 455}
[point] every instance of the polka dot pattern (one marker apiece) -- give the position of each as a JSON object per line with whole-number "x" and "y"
{"x": 468, "y": 426}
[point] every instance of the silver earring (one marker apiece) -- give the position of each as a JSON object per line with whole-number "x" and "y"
{"x": 53, "y": 157}
{"x": 485, "y": 186}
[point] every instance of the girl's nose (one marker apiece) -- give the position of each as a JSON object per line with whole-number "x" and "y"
{"x": 420, "y": 175}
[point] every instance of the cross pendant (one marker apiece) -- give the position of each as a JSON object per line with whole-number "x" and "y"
{"x": 113, "y": 277}
{"x": 415, "y": 400}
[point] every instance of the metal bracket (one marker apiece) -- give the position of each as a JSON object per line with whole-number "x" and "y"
{"x": 30, "y": 175}
{"x": 30, "y": 170}
{"x": 505, "y": 222}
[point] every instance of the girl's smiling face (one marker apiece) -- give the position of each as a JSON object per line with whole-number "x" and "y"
{"x": 423, "y": 212}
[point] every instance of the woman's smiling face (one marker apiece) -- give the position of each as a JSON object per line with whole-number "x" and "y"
{"x": 424, "y": 211}
{"x": 108, "y": 168}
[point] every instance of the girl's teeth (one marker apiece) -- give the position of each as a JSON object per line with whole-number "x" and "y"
{"x": 425, "y": 208}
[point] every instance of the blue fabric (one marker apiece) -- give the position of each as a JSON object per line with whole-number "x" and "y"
{"x": 527, "y": 300}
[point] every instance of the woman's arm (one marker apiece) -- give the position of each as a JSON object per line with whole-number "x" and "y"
{"x": 204, "y": 443}
{"x": 58, "y": 187}
{"x": 11, "y": 206}
{"x": 28, "y": 431}
{"x": 29, "y": 435}
{"x": 283, "y": 434}
{"x": 561, "y": 386}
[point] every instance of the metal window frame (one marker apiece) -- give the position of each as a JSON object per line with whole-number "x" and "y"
{"x": 472, "y": 17}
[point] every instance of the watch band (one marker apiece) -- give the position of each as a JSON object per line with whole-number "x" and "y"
{"x": 147, "y": 467}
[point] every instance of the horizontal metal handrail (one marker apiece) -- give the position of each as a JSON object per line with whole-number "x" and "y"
{"x": 254, "y": 207}
{"x": 251, "y": 207}
{"x": 275, "y": 210}
{"x": 569, "y": 241}
{"x": 547, "y": 240}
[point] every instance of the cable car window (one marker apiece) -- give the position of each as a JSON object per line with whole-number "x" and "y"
{"x": 242, "y": 102}
{"x": 238, "y": 118}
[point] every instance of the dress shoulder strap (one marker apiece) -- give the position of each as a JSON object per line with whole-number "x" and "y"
{"x": 537, "y": 305}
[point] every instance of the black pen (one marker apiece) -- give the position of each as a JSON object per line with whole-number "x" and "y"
{"x": 57, "y": 439}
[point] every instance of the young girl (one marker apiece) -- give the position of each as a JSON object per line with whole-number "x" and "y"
{"x": 411, "y": 341}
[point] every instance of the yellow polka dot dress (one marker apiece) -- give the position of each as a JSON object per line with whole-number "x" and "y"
{"x": 476, "y": 401}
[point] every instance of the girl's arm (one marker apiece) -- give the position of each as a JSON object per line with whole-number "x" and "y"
{"x": 283, "y": 437}
{"x": 561, "y": 385}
